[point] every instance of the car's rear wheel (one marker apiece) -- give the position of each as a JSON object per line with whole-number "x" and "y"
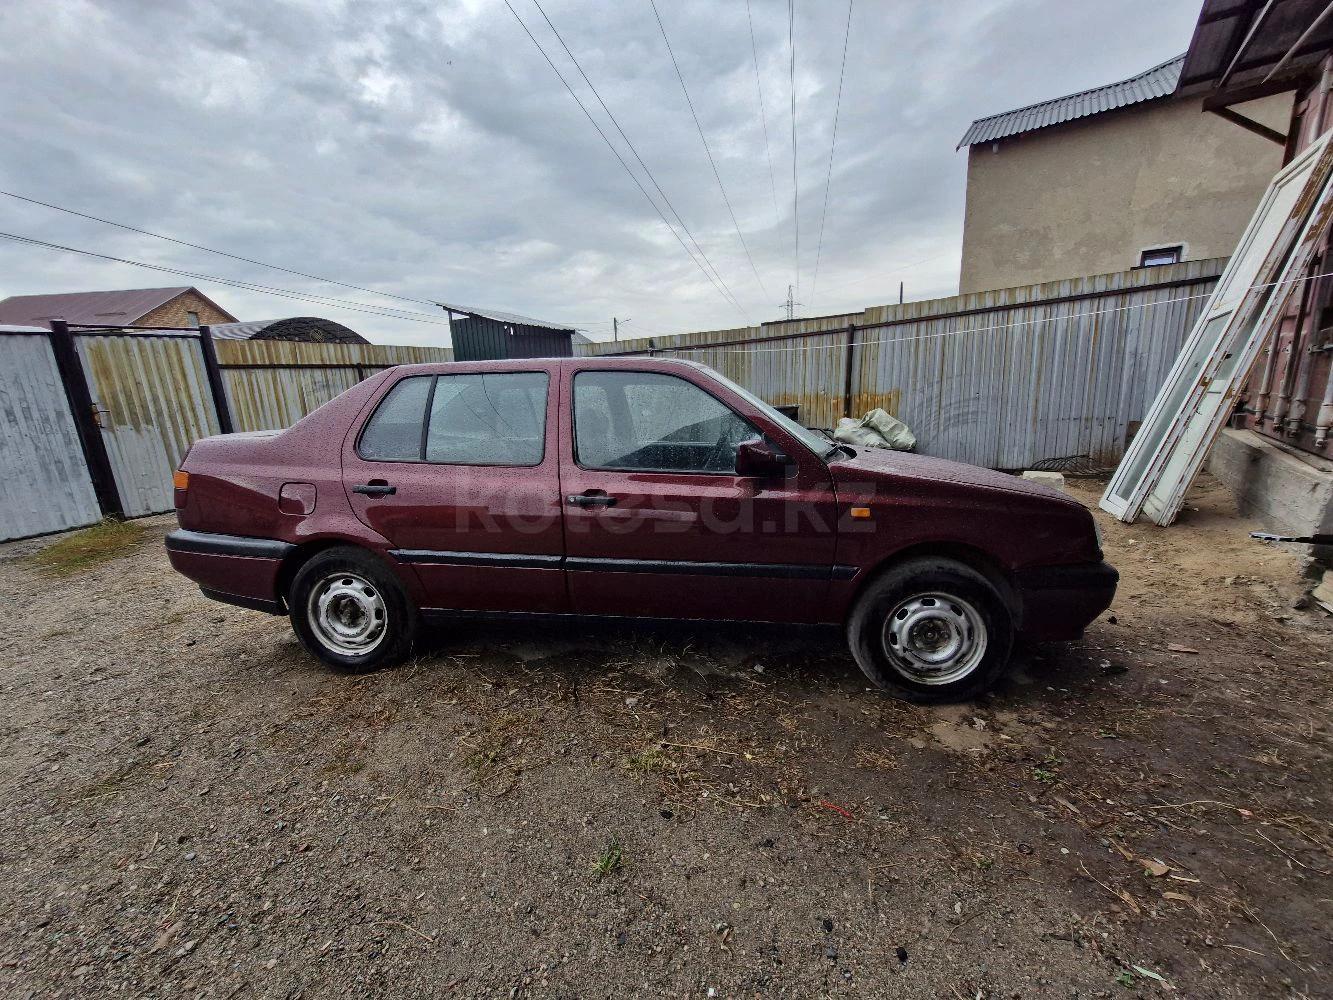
{"x": 349, "y": 610}
{"x": 931, "y": 629}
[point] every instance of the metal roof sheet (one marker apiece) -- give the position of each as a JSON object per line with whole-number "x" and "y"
{"x": 1249, "y": 38}
{"x": 504, "y": 317}
{"x": 1151, "y": 84}
{"x": 306, "y": 329}
{"x": 108, "y": 308}
{"x": 239, "y": 331}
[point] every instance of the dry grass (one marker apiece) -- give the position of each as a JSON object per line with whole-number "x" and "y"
{"x": 83, "y": 550}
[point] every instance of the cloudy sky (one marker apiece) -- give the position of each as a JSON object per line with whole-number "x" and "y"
{"x": 428, "y": 150}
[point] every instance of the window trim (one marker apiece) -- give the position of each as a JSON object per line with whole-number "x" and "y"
{"x": 425, "y": 423}
{"x": 574, "y": 424}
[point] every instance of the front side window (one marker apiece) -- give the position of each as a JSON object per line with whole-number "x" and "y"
{"x": 649, "y": 422}
{"x": 470, "y": 419}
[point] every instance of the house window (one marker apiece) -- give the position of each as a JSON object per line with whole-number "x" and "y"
{"x": 193, "y": 318}
{"x": 1158, "y": 256}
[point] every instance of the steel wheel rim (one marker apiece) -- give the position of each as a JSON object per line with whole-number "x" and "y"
{"x": 934, "y": 638}
{"x": 347, "y": 613}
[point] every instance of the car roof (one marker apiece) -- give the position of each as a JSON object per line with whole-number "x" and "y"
{"x": 637, "y": 361}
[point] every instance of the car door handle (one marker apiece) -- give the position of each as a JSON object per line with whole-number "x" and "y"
{"x": 591, "y": 499}
{"x": 376, "y": 489}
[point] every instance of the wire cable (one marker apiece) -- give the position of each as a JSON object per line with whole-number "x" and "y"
{"x": 361, "y": 307}
{"x": 795, "y": 187}
{"x": 828, "y": 181}
{"x": 763, "y": 115}
{"x": 633, "y": 149}
{"x": 713, "y": 163}
{"x": 220, "y": 253}
{"x": 615, "y": 152}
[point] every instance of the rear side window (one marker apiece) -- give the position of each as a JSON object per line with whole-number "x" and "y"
{"x": 488, "y": 419}
{"x": 393, "y": 433}
{"x": 470, "y": 419}
{"x": 649, "y": 422}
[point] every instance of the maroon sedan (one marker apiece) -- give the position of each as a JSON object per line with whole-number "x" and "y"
{"x": 629, "y": 488}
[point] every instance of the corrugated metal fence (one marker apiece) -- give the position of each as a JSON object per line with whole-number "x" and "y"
{"x": 44, "y": 483}
{"x": 1054, "y": 373}
{"x": 272, "y": 383}
{"x": 149, "y": 397}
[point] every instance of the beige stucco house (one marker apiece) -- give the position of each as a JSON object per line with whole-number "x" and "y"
{"x": 1121, "y": 176}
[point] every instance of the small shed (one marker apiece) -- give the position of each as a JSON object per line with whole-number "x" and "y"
{"x": 488, "y": 335}
{"x": 306, "y": 329}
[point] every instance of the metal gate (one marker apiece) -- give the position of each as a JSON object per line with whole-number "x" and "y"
{"x": 151, "y": 394}
{"x": 44, "y": 480}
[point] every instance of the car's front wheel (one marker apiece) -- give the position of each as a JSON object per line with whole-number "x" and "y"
{"x": 931, "y": 629}
{"x": 348, "y": 610}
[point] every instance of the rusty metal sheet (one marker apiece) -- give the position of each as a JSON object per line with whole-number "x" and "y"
{"x": 154, "y": 401}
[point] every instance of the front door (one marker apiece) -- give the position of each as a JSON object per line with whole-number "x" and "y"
{"x": 658, "y": 523}
{"x": 460, "y": 472}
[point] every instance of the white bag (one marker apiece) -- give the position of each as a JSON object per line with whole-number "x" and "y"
{"x": 877, "y": 429}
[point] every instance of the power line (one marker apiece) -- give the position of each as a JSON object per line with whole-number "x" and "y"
{"x": 220, "y": 253}
{"x": 795, "y": 188}
{"x": 633, "y": 149}
{"x": 351, "y": 306}
{"x": 763, "y": 116}
{"x": 713, "y": 163}
{"x": 828, "y": 181}
{"x": 615, "y": 152}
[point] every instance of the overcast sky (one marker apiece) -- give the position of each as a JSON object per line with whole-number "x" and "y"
{"x": 427, "y": 148}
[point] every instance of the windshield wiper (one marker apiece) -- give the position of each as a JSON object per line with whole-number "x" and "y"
{"x": 839, "y": 447}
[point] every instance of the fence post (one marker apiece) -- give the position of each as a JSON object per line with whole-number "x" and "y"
{"x": 215, "y": 382}
{"x": 847, "y": 385}
{"x": 88, "y": 426}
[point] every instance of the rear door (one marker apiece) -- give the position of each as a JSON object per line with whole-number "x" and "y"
{"x": 658, "y": 523}
{"x": 460, "y": 471}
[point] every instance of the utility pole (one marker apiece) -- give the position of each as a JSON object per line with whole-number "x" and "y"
{"x": 791, "y": 304}
{"x": 900, "y": 293}
{"x": 615, "y": 328}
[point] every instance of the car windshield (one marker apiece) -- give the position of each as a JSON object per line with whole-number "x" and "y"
{"x": 813, "y": 440}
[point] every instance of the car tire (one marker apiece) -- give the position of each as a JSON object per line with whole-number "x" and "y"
{"x": 349, "y": 611}
{"x": 931, "y": 630}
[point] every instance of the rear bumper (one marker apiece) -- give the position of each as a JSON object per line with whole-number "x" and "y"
{"x": 231, "y": 568}
{"x": 1059, "y": 602}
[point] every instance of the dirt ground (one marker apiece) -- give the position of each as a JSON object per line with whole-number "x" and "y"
{"x": 190, "y": 806}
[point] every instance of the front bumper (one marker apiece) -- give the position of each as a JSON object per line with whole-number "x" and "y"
{"x": 231, "y": 568}
{"x": 1059, "y": 602}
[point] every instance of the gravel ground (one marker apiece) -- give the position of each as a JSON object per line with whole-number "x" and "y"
{"x": 190, "y": 806}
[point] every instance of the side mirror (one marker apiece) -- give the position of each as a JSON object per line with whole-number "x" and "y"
{"x": 755, "y": 458}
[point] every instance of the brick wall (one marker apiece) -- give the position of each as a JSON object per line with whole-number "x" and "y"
{"x": 176, "y": 312}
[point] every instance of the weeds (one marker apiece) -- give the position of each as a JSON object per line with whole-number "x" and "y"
{"x": 646, "y": 761}
{"x": 91, "y": 547}
{"x": 1047, "y": 770}
{"x": 610, "y": 860}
